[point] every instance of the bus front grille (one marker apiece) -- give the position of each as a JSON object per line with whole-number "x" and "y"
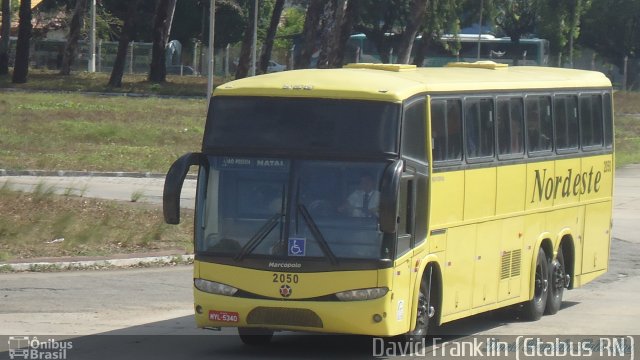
{"x": 284, "y": 316}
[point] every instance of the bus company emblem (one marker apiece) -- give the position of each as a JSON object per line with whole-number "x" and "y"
{"x": 285, "y": 290}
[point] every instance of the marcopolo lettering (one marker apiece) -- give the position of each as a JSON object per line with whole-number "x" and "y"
{"x": 570, "y": 184}
{"x": 284, "y": 265}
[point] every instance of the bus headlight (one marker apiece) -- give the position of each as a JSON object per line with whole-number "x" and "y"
{"x": 213, "y": 287}
{"x": 362, "y": 294}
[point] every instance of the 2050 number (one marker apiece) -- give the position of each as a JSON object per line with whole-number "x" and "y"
{"x": 285, "y": 278}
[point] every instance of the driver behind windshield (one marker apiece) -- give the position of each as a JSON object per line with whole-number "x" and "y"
{"x": 363, "y": 202}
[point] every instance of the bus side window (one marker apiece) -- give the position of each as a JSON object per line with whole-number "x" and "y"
{"x": 509, "y": 117}
{"x": 539, "y": 123}
{"x": 590, "y": 120}
{"x": 413, "y": 131}
{"x": 446, "y": 134}
{"x": 565, "y": 111}
{"x": 478, "y": 120}
{"x": 608, "y": 120}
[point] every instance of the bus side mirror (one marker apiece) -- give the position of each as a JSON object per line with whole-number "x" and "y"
{"x": 173, "y": 185}
{"x": 389, "y": 196}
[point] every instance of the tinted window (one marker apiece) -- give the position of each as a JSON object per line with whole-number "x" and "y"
{"x": 565, "y": 112}
{"x": 608, "y": 120}
{"x": 479, "y": 127}
{"x": 260, "y": 124}
{"x": 446, "y": 134}
{"x": 591, "y": 120}
{"x": 509, "y": 120}
{"x": 539, "y": 123}
{"x": 414, "y": 133}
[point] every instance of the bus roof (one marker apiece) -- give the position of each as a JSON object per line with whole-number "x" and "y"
{"x": 394, "y": 82}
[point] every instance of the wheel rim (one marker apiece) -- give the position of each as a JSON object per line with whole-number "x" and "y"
{"x": 558, "y": 276}
{"x": 422, "y": 317}
{"x": 541, "y": 283}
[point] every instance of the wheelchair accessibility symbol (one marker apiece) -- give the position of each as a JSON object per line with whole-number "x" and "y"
{"x": 297, "y": 246}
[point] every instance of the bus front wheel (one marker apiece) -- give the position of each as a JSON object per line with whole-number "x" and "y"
{"x": 557, "y": 280}
{"x": 255, "y": 336}
{"x": 534, "y": 308}
{"x": 424, "y": 313}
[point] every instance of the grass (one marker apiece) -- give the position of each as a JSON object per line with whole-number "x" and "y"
{"x": 137, "y": 195}
{"x": 627, "y": 124}
{"x": 56, "y": 131}
{"x": 97, "y": 82}
{"x": 29, "y": 224}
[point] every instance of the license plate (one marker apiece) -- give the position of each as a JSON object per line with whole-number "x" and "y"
{"x": 224, "y": 316}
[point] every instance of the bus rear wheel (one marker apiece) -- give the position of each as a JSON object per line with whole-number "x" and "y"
{"x": 534, "y": 308}
{"x": 255, "y": 336}
{"x": 557, "y": 283}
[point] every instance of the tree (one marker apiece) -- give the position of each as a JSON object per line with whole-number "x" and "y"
{"x": 516, "y": 18}
{"x": 310, "y": 33}
{"x": 245, "y": 51}
{"x": 71, "y": 48}
{"x": 160, "y": 37}
{"x": 577, "y": 8}
{"x": 348, "y": 20}
{"x": 417, "y": 13}
{"x": 442, "y": 17}
{"x": 267, "y": 46}
{"x": 21, "y": 67}
{"x": 126, "y": 35}
{"x": 4, "y": 34}
{"x": 330, "y": 23}
{"x": 559, "y": 22}
{"x": 612, "y": 28}
{"x": 377, "y": 19}
{"x": 335, "y": 29}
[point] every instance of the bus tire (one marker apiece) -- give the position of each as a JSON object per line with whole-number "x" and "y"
{"x": 255, "y": 336}
{"x": 534, "y": 308}
{"x": 557, "y": 274}
{"x": 425, "y": 310}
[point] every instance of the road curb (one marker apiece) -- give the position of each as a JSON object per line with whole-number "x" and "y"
{"x": 96, "y": 264}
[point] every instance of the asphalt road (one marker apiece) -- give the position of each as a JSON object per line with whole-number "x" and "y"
{"x": 132, "y": 306}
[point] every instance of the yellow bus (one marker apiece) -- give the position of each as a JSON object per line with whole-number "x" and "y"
{"x": 386, "y": 199}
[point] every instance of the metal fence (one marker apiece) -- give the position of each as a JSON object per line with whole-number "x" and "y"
{"x": 47, "y": 54}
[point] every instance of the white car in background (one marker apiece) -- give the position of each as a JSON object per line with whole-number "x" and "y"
{"x": 275, "y": 67}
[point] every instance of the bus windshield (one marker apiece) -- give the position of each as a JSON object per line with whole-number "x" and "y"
{"x": 318, "y": 126}
{"x": 257, "y": 207}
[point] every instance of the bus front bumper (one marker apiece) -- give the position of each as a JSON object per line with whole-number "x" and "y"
{"x": 368, "y": 317}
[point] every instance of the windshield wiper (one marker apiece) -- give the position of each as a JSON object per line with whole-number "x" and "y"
{"x": 259, "y": 236}
{"x": 324, "y": 246}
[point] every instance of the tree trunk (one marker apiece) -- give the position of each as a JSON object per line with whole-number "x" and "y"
{"x": 418, "y": 11}
{"x": 337, "y": 58}
{"x": 21, "y": 67}
{"x": 515, "y": 42}
{"x": 71, "y": 48}
{"x": 421, "y": 49}
{"x": 330, "y": 22}
{"x": 4, "y": 34}
{"x": 160, "y": 38}
{"x": 309, "y": 34}
{"x": 245, "y": 52}
{"x": 125, "y": 36}
{"x": 265, "y": 53}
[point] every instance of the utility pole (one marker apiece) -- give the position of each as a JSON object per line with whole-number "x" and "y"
{"x": 92, "y": 39}
{"x": 210, "y": 68}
